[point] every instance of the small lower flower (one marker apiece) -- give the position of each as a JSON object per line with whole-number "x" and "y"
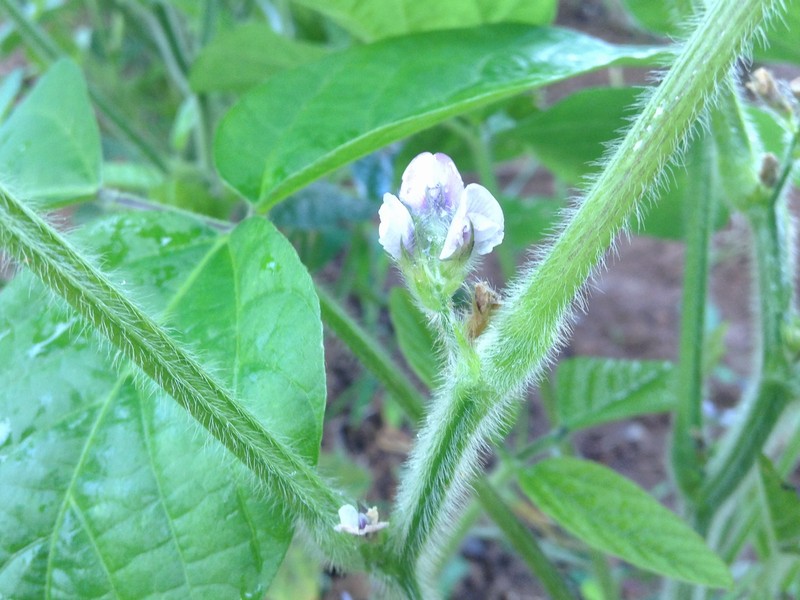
{"x": 356, "y": 523}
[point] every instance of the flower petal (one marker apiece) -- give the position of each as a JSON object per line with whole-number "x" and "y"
{"x": 457, "y": 234}
{"x": 431, "y": 181}
{"x": 486, "y": 216}
{"x": 396, "y": 228}
{"x": 348, "y": 520}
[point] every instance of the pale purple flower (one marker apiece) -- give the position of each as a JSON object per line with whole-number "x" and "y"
{"x": 396, "y": 229}
{"x": 431, "y": 193}
{"x": 479, "y": 215}
{"x": 431, "y": 181}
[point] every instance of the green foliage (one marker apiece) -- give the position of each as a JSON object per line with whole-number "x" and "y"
{"x": 610, "y": 513}
{"x": 371, "y": 21}
{"x": 462, "y": 70}
{"x": 240, "y": 58}
{"x": 200, "y": 309}
{"x": 50, "y": 145}
{"x": 135, "y": 485}
{"x": 591, "y": 391}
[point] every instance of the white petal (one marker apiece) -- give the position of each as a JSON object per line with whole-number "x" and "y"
{"x": 431, "y": 176}
{"x": 348, "y": 520}
{"x": 396, "y": 228}
{"x": 457, "y": 233}
{"x": 486, "y": 216}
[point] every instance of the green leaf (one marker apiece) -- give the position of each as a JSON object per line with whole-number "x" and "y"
{"x": 783, "y": 507}
{"x": 304, "y": 123}
{"x": 50, "y": 144}
{"x": 782, "y": 35}
{"x": 659, "y": 17}
{"x": 416, "y": 341}
{"x": 257, "y": 53}
{"x": 109, "y": 489}
{"x": 371, "y": 21}
{"x": 591, "y": 391}
{"x": 569, "y": 138}
{"x": 612, "y": 514}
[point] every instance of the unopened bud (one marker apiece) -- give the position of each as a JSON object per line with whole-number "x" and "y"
{"x": 768, "y": 175}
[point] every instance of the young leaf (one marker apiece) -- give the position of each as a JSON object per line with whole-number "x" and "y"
{"x": 372, "y": 21}
{"x": 416, "y": 341}
{"x": 612, "y": 514}
{"x": 304, "y": 123}
{"x": 50, "y": 144}
{"x": 108, "y": 488}
{"x": 591, "y": 391}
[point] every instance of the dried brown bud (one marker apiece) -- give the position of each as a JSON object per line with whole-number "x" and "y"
{"x": 484, "y": 302}
{"x": 763, "y": 85}
{"x": 794, "y": 87}
{"x": 768, "y": 175}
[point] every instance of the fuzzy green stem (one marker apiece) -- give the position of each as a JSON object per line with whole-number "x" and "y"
{"x": 687, "y": 427}
{"x": 288, "y": 478}
{"x": 531, "y": 323}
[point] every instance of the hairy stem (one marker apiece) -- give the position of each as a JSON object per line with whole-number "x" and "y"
{"x": 532, "y": 321}
{"x": 287, "y": 477}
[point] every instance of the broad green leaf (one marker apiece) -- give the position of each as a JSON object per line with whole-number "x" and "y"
{"x": 612, "y": 514}
{"x": 240, "y": 58}
{"x": 304, "y": 123}
{"x": 569, "y": 138}
{"x": 591, "y": 391}
{"x": 415, "y": 339}
{"x": 109, "y": 488}
{"x": 783, "y": 507}
{"x": 371, "y": 21}
{"x": 50, "y": 144}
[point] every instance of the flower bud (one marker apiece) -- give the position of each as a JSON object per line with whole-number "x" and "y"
{"x": 437, "y": 226}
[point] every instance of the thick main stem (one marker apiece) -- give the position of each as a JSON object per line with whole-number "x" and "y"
{"x": 524, "y": 332}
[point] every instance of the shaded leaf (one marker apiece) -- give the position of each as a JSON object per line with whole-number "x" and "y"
{"x": 50, "y": 144}
{"x": 304, "y": 123}
{"x": 612, "y": 514}
{"x": 591, "y": 391}
{"x": 238, "y": 59}
{"x": 372, "y": 21}
{"x": 109, "y": 488}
